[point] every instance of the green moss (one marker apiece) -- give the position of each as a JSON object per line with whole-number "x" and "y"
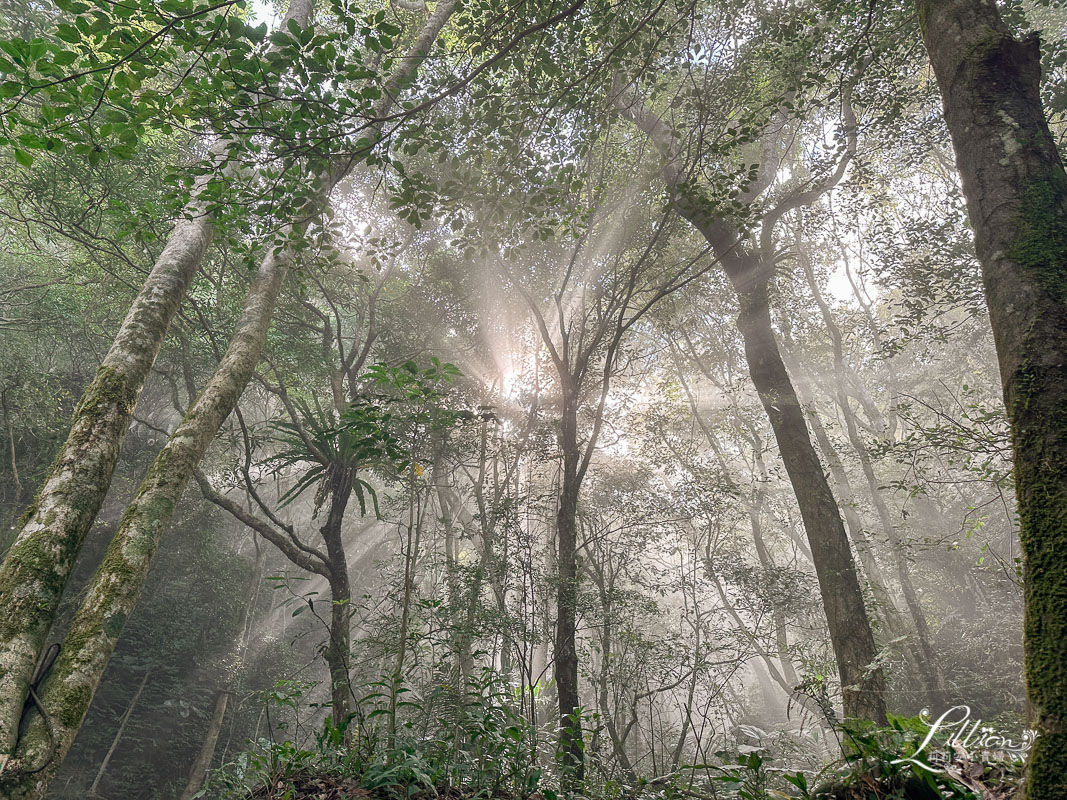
{"x": 114, "y": 625}
{"x": 35, "y": 558}
{"x": 75, "y": 702}
{"x": 27, "y": 515}
{"x": 34, "y": 561}
{"x": 1038, "y": 406}
{"x": 115, "y": 563}
{"x": 110, "y": 389}
{"x": 1040, "y": 245}
{"x": 1047, "y": 778}
{"x": 158, "y": 508}
{"x": 147, "y": 517}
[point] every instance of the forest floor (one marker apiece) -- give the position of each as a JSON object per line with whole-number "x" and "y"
{"x": 310, "y": 786}
{"x": 863, "y": 786}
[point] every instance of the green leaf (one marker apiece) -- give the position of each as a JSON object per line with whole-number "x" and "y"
{"x": 68, "y": 33}
{"x": 24, "y": 158}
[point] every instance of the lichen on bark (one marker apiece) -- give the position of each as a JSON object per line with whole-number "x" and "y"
{"x": 36, "y": 567}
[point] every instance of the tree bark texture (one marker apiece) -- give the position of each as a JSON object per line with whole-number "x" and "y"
{"x": 862, "y": 682}
{"x": 113, "y": 592}
{"x": 926, "y": 660}
{"x": 68, "y": 690}
{"x": 339, "y": 647}
{"x": 35, "y": 570}
{"x": 1016, "y": 192}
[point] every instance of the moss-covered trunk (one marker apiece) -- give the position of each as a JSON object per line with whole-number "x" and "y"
{"x": 1016, "y": 192}
{"x": 35, "y": 570}
{"x": 68, "y": 689}
{"x": 112, "y": 594}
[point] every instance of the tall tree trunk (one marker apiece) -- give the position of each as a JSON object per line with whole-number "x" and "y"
{"x": 854, "y": 524}
{"x": 68, "y": 690}
{"x": 1016, "y": 191}
{"x": 863, "y": 684}
{"x": 781, "y": 632}
{"x": 338, "y": 649}
{"x": 926, "y": 657}
{"x": 207, "y": 749}
{"x": 608, "y": 710}
{"x": 112, "y": 594}
{"x": 35, "y": 570}
{"x": 885, "y": 604}
{"x": 118, "y": 734}
{"x": 416, "y": 508}
{"x": 571, "y": 750}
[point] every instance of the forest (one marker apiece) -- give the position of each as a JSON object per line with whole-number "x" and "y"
{"x": 533, "y": 399}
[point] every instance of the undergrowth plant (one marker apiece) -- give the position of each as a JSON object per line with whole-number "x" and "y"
{"x": 483, "y": 748}
{"x": 470, "y": 740}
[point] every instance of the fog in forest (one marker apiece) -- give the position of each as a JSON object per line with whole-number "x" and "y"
{"x": 538, "y": 400}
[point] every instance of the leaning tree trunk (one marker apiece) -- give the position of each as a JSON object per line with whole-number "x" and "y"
{"x": 95, "y": 786}
{"x": 1016, "y": 191}
{"x": 928, "y": 664}
{"x": 863, "y": 684}
{"x": 571, "y": 749}
{"x": 112, "y": 594}
{"x": 337, "y": 653}
{"x": 69, "y": 687}
{"x": 926, "y": 659}
{"x": 207, "y": 749}
{"x": 35, "y": 570}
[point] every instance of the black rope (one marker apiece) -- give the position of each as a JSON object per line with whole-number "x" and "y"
{"x": 43, "y": 668}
